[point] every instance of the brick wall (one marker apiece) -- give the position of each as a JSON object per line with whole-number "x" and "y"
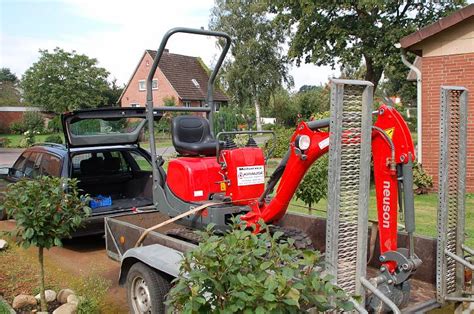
{"x": 7, "y": 118}
{"x": 135, "y": 96}
{"x": 437, "y": 71}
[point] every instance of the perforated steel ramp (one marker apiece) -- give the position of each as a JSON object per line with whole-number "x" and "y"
{"x": 452, "y": 254}
{"x": 349, "y": 179}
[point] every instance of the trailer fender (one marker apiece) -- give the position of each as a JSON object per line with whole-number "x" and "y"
{"x": 161, "y": 258}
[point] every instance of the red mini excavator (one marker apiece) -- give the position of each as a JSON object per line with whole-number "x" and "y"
{"x": 228, "y": 180}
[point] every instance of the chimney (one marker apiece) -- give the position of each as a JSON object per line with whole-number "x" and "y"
{"x": 166, "y": 51}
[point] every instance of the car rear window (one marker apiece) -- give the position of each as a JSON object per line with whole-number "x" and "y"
{"x": 100, "y": 163}
{"x": 104, "y": 126}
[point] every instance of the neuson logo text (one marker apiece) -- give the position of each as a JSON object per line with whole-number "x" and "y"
{"x": 386, "y": 204}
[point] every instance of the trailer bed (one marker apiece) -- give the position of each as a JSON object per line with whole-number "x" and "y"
{"x": 122, "y": 232}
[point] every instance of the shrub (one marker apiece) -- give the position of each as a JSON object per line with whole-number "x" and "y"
{"x": 33, "y": 121}
{"x": 54, "y": 138}
{"x": 17, "y": 127}
{"x": 255, "y": 273}
{"x": 44, "y": 214}
{"x": 29, "y": 139}
{"x": 282, "y": 143}
{"x": 227, "y": 119}
{"x": 4, "y": 142}
{"x": 54, "y": 125}
{"x": 314, "y": 186}
{"x": 422, "y": 180}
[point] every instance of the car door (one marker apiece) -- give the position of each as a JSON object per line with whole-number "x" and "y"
{"x": 16, "y": 172}
{"x": 32, "y": 165}
{"x": 50, "y": 165}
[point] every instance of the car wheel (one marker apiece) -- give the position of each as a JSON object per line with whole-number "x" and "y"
{"x": 146, "y": 290}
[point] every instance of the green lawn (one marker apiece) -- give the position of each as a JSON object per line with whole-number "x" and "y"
{"x": 425, "y": 213}
{"x": 16, "y": 138}
{"x": 425, "y": 210}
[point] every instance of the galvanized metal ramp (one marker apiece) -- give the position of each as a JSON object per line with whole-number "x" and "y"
{"x": 348, "y": 186}
{"x": 452, "y": 255}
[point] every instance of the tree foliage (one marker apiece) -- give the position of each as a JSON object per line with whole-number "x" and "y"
{"x": 314, "y": 186}
{"x": 44, "y": 214}
{"x": 6, "y": 75}
{"x": 258, "y": 66}
{"x": 243, "y": 272}
{"x": 330, "y": 32}
{"x": 112, "y": 93}
{"x": 313, "y": 101}
{"x": 9, "y": 94}
{"x": 63, "y": 81}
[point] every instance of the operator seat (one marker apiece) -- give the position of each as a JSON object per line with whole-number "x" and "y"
{"x": 192, "y": 136}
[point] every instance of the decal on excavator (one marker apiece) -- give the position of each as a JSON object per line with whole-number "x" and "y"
{"x": 386, "y": 204}
{"x": 390, "y": 132}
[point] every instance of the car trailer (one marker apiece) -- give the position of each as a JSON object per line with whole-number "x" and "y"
{"x": 352, "y": 251}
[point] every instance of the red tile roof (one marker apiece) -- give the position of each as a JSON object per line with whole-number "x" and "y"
{"x": 180, "y": 71}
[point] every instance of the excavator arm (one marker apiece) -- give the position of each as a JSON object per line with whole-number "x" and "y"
{"x": 393, "y": 155}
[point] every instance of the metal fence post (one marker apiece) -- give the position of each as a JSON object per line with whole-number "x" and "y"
{"x": 349, "y": 181}
{"x": 450, "y": 260}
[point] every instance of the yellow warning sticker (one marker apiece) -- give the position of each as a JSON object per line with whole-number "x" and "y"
{"x": 223, "y": 186}
{"x": 390, "y": 132}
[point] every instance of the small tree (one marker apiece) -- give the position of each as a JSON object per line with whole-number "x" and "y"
{"x": 44, "y": 213}
{"x": 252, "y": 273}
{"x": 314, "y": 186}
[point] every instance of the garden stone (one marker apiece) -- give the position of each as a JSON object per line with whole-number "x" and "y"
{"x": 66, "y": 308}
{"x": 3, "y": 244}
{"x": 49, "y": 295}
{"x": 63, "y": 294}
{"x": 72, "y": 298}
{"x": 23, "y": 300}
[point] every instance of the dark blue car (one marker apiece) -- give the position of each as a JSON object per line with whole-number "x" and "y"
{"x": 102, "y": 151}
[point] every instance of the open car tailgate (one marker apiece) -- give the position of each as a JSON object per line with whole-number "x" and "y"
{"x": 104, "y": 126}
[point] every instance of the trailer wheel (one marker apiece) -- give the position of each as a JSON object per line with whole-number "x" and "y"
{"x": 146, "y": 290}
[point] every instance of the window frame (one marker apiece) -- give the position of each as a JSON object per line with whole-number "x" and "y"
{"x": 59, "y": 168}
{"x": 187, "y": 103}
{"x": 140, "y": 82}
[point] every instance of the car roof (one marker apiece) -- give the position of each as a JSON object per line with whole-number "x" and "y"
{"x": 57, "y": 149}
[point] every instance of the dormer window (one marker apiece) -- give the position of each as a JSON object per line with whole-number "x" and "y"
{"x": 196, "y": 83}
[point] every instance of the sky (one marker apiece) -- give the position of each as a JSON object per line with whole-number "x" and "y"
{"x": 114, "y": 32}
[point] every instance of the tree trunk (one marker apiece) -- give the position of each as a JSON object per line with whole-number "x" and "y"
{"x": 44, "y": 306}
{"x": 257, "y": 115}
{"x": 372, "y": 74}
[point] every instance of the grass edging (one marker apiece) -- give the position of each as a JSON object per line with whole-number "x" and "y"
{"x": 5, "y": 307}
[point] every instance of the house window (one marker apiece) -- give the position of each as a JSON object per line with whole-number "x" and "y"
{"x": 142, "y": 85}
{"x": 217, "y": 105}
{"x": 134, "y": 105}
{"x": 187, "y": 103}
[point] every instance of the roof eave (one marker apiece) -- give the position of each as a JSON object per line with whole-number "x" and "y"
{"x": 409, "y": 41}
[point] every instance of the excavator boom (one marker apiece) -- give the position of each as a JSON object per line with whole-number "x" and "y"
{"x": 393, "y": 154}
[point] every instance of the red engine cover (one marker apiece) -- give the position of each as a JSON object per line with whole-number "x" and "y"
{"x": 245, "y": 172}
{"x": 194, "y": 178}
